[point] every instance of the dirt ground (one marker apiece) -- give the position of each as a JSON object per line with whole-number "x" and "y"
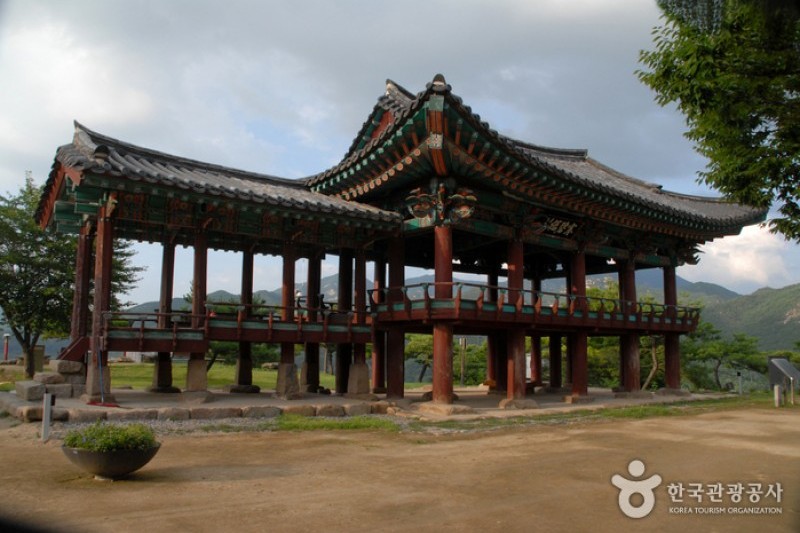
{"x": 544, "y": 478}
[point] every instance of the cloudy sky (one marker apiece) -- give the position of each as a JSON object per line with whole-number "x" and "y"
{"x": 282, "y": 88}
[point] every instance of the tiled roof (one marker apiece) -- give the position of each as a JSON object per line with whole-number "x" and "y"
{"x": 572, "y": 165}
{"x": 577, "y": 166}
{"x": 101, "y": 155}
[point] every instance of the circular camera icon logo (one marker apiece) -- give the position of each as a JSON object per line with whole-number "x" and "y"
{"x": 629, "y": 487}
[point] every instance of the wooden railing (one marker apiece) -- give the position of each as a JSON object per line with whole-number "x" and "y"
{"x": 522, "y": 305}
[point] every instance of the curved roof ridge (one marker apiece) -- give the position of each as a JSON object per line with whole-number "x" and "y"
{"x": 568, "y": 152}
{"x": 82, "y": 134}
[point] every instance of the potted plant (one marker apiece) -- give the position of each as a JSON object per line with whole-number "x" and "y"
{"x": 110, "y": 450}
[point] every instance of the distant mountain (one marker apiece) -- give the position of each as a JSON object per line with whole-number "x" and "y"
{"x": 771, "y": 315}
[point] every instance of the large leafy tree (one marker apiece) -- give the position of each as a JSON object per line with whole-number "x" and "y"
{"x": 733, "y": 69}
{"x": 37, "y": 272}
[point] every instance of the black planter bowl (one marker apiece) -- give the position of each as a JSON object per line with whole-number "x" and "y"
{"x": 113, "y": 464}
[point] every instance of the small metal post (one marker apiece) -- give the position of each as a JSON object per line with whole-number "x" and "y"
{"x": 777, "y": 392}
{"x": 739, "y": 373}
{"x": 791, "y": 388}
{"x": 47, "y": 415}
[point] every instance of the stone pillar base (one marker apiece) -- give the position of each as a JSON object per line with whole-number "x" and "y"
{"x": 96, "y": 398}
{"x": 516, "y": 403}
{"x": 358, "y": 379}
{"x": 578, "y": 398}
{"x": 196, "y": 375}
{"x": 288, "y": 386}
{"x": 93, "y": 382}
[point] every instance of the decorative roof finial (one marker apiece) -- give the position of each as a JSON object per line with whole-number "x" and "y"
{"x": 439, "y": 80}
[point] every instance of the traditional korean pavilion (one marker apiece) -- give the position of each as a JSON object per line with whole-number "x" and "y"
{"x": 425, "y": 183}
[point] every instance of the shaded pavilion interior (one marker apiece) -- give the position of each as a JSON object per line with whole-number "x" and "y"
{"x": 425, "y": 183}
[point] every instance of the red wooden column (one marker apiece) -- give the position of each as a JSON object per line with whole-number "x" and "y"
{"x": 196, "y": 375}
{"x": 162, "y": 370}
{"x": 309, "y": 375}
{"x": 244, "y": 362}
{"x": 492, "y": 279}
{"x": 443, "y": 331}
{"x": 579, "y": 344}
{"x": 83, "y": 276}
{"x": 395, "y": 336}
{"x": 672, "y": 353}
{"x": 555, "y": 362}
{"x": 629, "y": 342}
{"x": 536, "y": 346}
{"x": 288, "y": 386}
{"x": 344, "y": 351}
{"x": 358, "y": 380}
{"x": 379, "y": 336}
{"x": 98, "y": 376}
{"x": 516, "y": 336}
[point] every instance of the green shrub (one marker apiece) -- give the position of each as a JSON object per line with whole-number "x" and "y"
{"x": 104, "y": 437}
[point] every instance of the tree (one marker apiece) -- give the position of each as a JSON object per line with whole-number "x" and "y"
{"x": 706, "y": 347}
{"x": 420, "y": 348}
{"x": 733, "y": 69}
{"x": 37, "y": 273}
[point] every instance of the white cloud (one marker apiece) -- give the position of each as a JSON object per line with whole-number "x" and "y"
{"x": 745, "y": 262}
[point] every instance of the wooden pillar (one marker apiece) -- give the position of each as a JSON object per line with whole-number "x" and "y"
{"x": 288, "y": 385}
{"x": 443, "y": 331}
{"x": 492, "y": 279}
{"x": 358, "y": 376}
{"x": 196, "y": 374}
{"x": 536, "y": 360}
{"x": 629, "y": 342}
{"x": 98, "y": 376}
{"x": 579, "y": 344}
{"x": 244, "y": 362}
{"x": 672, "y": 354}
{"x": 309, "y": 375}
{"x": 83, "y": 276}
{"x": 379, "y": 336}
{"x": 516, "y": 336}
{"x": 162, "y": 370}
{"x": 536, "y": 345}
{"x": 344, "y": 351}
{"x": 555, "y": 361}
{"x": 395, "y": 336}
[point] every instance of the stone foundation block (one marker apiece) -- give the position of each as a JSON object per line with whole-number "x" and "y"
{"x": 197, "y": 397}
{"x": 380, "y": 408}
{"x": 132, "y": 414}
{"x": 357, "y": 409}
{"x": 78, "y": 390}
{"x": 29, "y": 413}
{"x": 260, "y": 411}
{"x": 86, "y": 415}
{"x": 30, "y": 391}
{"x": 66, "y": 367}
{"x": 48, "y": 377}
{"x": 75, "y": 379}
{"x": 214, "y": 413}
{"x": 301, "y": 410}
{"x": 60, "y": 390}
{"x": 330, "y": 410}
{"x": 173, "y": 413}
